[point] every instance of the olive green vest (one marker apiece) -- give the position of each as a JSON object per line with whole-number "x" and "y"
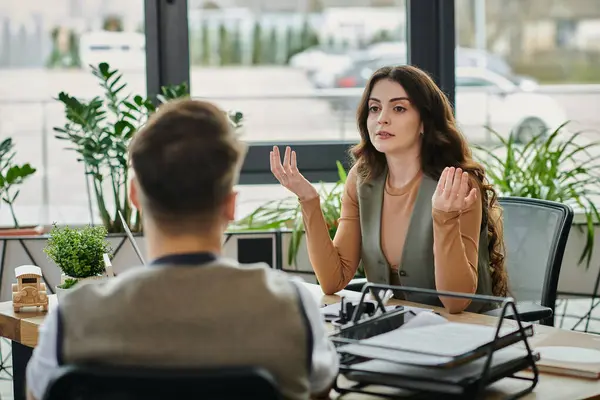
{"x": 416, "y": 268}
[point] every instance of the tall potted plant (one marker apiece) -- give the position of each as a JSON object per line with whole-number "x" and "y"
{"x": 100, "y": 130}
{"x": 79, "y": 253}
{"x": 551, "y": 166}
{"x": 12, "y": 175}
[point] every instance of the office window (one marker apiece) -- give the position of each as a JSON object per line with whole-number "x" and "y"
{"x": 539, "y": 57}
{"x": 45, "y": 48}
{"x": 296, "y": 70}
{"x": 543, "y": 58}
{"x": 293, "y": 68}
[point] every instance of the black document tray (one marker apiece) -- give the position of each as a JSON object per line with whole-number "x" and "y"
{"x": 466, "y": 376}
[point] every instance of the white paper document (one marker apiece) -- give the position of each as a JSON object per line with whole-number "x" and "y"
{"x": 444, "y": 339}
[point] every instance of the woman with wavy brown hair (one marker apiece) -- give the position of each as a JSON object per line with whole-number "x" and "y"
{"x": 417, "y": 210}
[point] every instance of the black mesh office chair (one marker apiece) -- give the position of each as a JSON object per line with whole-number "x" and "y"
{"x": 108, "y": 382}
{"x": 535, "y": 235}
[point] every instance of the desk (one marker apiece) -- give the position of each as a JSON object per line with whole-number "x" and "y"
{"x": 22, "y": 329}
{"x": 549, "y": 387}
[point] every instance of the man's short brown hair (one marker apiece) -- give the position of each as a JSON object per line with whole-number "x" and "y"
{"x": 186, "y": 160}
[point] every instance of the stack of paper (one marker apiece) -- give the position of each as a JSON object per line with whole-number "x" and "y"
{"x": 430, "y": 341}
{"x": 430, "y": 353}
{"x": 446, "y": 379}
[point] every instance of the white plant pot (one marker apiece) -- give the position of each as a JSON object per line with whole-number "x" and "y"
{"x": 60, "y": 292}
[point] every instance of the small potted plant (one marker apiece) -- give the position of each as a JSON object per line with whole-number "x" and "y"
{"x": 79, "y": 253}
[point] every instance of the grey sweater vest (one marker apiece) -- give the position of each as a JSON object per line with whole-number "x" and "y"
{"x": 213, "y": 315}
{"x": 416, "y": 268}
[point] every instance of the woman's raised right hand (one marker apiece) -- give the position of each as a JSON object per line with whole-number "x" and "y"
{"x": 288, "y": 175}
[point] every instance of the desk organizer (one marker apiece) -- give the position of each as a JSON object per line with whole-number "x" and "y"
{"x": 369, "y": 366}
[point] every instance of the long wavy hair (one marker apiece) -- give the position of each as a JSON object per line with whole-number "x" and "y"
{"x": 442, "y": 146}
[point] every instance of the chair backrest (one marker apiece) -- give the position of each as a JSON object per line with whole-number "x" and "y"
{"x": 79, "y": 382}
{"x": 535, "y": 235}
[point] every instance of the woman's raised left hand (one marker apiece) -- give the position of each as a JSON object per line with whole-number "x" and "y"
{"x": 452, "y": 192}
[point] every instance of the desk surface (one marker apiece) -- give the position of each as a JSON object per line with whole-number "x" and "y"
{"x": 23, "y": 328}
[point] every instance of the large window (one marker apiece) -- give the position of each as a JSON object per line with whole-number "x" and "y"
{"x": 45, "y": 49}
{"x": 296, "y": 69}
{"x": 526, "y": 65}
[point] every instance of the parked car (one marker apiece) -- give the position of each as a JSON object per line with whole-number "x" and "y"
{"x": 486, "y": 98}
{"x": 325, "y": 74}
{"x": 319, "y": 59}
{"x": 468, "y": 57}
{"x": 483, "y": 98}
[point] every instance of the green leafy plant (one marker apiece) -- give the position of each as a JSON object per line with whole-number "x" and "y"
{"x": 78, "y": 252}
{"x": 550, "y": 166}
{"x": 99, "y": 131}
{"x": 286, "y": 214}
{"x": 11, "y": 176}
